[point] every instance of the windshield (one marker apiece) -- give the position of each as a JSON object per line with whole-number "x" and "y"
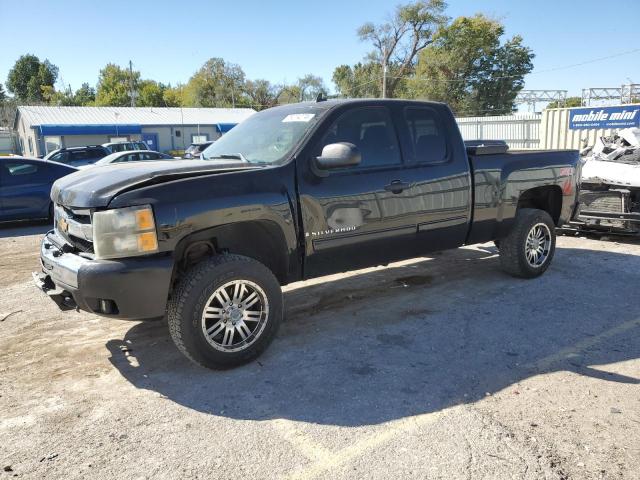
{"x": 266, "y": 137}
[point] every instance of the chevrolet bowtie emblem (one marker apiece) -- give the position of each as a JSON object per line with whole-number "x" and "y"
{"x": 63, "y": 225}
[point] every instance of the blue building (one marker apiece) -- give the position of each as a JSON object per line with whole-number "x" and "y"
{"x": 41, "y": 129}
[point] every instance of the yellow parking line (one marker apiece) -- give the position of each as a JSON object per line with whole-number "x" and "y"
{"x": 546, "y": 362}
{"x": 324, "y": 460}
{"x": 357, "y": 449}
{"x": 301, "y": 442}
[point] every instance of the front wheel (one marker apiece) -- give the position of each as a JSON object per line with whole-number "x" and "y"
{"x": 225, "y": 311}
{"x": 529, "y": 247}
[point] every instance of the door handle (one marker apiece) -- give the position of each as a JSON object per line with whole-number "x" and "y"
{"x": 397, "y": 186}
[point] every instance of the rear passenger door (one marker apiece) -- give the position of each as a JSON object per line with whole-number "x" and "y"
{"x": 357, "y": 216}
{"x": 441, "y": 194}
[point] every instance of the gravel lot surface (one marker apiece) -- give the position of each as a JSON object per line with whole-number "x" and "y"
{"x": 438, "y": 367}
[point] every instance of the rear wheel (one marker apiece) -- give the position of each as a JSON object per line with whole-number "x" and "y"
{"x": 529, "y": 247}
{"x": 225, "y": 311}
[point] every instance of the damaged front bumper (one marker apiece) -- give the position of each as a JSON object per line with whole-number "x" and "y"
{"x": 613, "y": 210}
{"x": 131, "y": 288}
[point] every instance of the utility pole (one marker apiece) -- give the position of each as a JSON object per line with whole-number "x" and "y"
{"x": 131, "y": 92}
{"x": 384, "y": 72}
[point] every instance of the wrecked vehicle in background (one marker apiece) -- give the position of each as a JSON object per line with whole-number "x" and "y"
{"x": 610, "y": 185}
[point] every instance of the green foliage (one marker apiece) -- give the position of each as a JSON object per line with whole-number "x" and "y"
{"x": 568, "y": 103}
{"x": 173, "y": 96}
{"x": 84, "y": 96}
{"x": 216, "y": 84}
{"x": 310, "y": 86}
{"x": 150, "y": 94}
{"x": 114, "y": 86}
{"x": 262, "y": 94}
{"x": 469, "y": 68}
{"x": 398, "y": 41}
{"x": 3, "y": 95}
{"x": 363, "y": 80}
{"x": 29, "y": 76}
{"x": 360, "y": 81}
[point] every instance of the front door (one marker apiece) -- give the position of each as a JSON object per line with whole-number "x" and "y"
{"x": 357, "y": 216}
{"x": 151, "y": 139}
{"x": 24, "y": 189}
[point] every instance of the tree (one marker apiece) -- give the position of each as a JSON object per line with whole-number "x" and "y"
{"x": 3, "y": 95}
{"x": 85, "y": 95}
{"x": 263, "y": 94}
{"x": 468, "y": 67}
{"x": 363, "y": 80}
{"x": 216, "y": 84}
{"x": 398, "y": 41}
{"x": 150, "y": 94}
{"x": 55, "y": 97}
{"x": 289, "y": 94}
{"x": 173, "y": 96}
{"x": 568, "y": 103}
{"x": 310, "y": 86}
{"x": 29, "y": 76}
{"x": 114, "y": 86}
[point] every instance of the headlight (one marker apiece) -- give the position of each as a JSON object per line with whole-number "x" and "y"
{"x": 124, "y": 232}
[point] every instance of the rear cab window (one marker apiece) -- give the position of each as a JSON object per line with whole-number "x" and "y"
{"x": 427, "y": 135}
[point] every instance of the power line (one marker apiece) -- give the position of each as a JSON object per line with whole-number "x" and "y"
{"x": 553, "y": 69}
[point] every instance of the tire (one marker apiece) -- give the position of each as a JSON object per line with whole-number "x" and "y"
{"x": 516, "y": 258}
{"x": 204, "y": 336}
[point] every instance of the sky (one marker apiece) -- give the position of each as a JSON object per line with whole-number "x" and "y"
{"x": 282, "y": 40}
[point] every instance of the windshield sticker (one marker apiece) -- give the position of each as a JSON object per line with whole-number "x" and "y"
{"x": 298, "y": 117}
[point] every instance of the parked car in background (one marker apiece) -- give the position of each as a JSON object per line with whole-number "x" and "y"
{"x": 129, "y": 156}
{"x": 195, "y": 149}
{"x": 78, "y": 156}
{"x": 124, "y": 146}
{"x": 25, "y": 187}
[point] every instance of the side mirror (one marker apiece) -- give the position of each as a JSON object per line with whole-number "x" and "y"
{"x": 338, "y": 155}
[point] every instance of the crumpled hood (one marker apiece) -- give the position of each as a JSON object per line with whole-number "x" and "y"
{"x": 96, "y": 186}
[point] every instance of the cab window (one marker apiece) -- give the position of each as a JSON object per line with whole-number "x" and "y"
{"x": 371, "y": 130}
{"x": 428, "y": 139}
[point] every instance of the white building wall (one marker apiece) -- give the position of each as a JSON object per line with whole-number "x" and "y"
{"x": 84, "y": 140}
{"x": 519, "y": 131}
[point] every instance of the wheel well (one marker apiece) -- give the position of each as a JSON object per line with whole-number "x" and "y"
{"x": 547, "y": 198}
{"x": 260, "y": 240}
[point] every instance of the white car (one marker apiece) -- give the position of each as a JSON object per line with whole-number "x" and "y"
{"x": 130, "y": 156}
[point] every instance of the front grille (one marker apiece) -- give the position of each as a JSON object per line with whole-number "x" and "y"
{"x": 74, "y": 225}
{"x": 609, "y": 201}
{"x": 605, "y": 201}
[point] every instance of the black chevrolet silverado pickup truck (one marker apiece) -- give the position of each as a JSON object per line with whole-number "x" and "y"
{"x": 293, "y": 192}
